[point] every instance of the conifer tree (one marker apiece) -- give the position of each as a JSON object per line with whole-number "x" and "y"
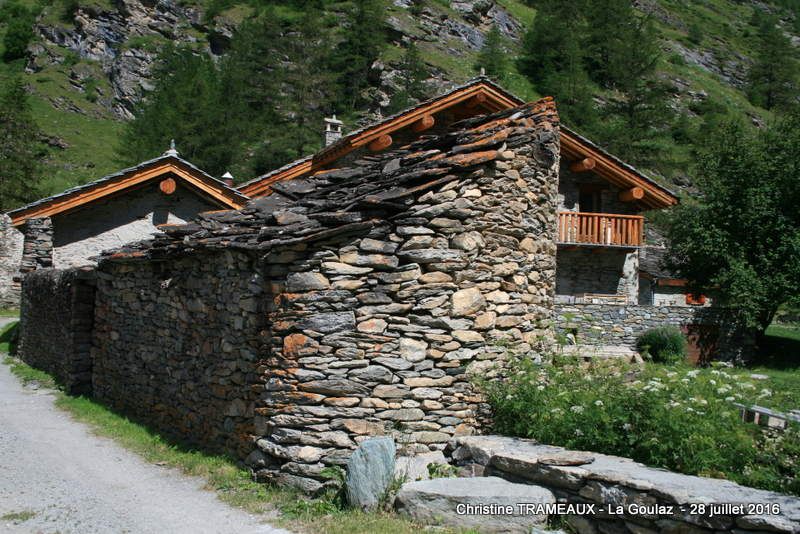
{"x": 552, "y": 58}
{"x": 493, "y": 57}
{"x": 20, "y": 150}
{"x": 362, "y": 40}
{"x": 772, "y": 80}
{"x": 183, "y": 106}
{"x": 413, "y": 73}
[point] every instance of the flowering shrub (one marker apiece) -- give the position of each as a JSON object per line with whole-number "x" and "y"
{"x": 675, "y": 417}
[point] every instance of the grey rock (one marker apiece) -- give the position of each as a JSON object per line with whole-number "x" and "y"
{"x": 306, "y": 282}
{"x": 435, "y": 502}
{"x": 431, "y": 255}
{"x": 369, "y": 472}
{"x": 373, "y": 373}
{"x": 334, "y": 386}
{"x": 415, "y": 467}
{"x": 329, "y": 322}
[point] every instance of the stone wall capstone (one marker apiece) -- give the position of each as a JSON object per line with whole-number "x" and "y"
{"x": 628, "y": 497}
{"x": 56, "y": 319}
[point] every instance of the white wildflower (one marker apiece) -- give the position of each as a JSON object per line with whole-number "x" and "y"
{"x": 598, "y": 402}
{"x": 576, "y": 409}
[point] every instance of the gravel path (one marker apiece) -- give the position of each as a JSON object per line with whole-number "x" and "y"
{"x": 77, "y": 482}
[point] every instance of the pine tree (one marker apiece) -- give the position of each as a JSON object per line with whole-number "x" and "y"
{"x": 493, "y": 57}
{"x": 363, "y": 39}
{"x": 413, "y": 73}
{"x": 772, "y": 80}
{"x": 304, "y": 96}
{"x": 552, "y": 59}
{"x": 20, "y": 150}
{"x": 185, "y": 106}
{"x": 640, "y": 118}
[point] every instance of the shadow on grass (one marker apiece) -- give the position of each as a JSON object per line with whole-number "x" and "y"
{"x": 9, "y": 337}
{"x": 780, "y": 348}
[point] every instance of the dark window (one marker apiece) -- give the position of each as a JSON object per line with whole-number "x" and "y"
{"x": 589, "y": 201}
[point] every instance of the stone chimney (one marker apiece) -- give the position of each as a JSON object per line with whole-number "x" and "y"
{"x": 228, "y": 179}
{"x": 333, "y": 130}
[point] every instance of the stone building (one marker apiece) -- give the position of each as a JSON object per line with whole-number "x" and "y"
{"x": 69, "y": 229}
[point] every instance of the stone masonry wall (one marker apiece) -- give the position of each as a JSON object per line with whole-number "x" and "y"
{"x": 56, "y": 321}
{"x": 37, "y": 250}
{"x": 176, "y": 344}
{"x": 382, "y": 333}
{"x": 601, "y": 271}
{"x": 11, "y": 240}
{"x": 609, "y": 324}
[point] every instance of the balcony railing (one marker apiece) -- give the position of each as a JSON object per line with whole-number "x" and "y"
{"x": 604, "y": 229}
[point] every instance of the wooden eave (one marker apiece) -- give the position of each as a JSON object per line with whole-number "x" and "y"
{"x": 67, "y": 203}
{"x": 493, "y": 99}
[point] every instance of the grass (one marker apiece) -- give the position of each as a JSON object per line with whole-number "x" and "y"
{"x": 8, "y": 338}
{"x": 18, "y": 517}
{"x": 231, "y": 482}
{"x": 9, "y": 313}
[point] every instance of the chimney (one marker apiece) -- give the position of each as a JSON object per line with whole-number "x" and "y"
{"x": 228, "y": 179}
{"x": 333, "y": 130}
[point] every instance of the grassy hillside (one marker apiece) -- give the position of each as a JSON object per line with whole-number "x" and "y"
{"x": 73, "y": 105}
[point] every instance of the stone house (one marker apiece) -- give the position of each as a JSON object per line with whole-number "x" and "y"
{"x": 365, "y": 298}
{"x": 610, "y": 284}
{"x": 69, "y": 229}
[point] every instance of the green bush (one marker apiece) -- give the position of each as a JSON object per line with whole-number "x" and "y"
{"x": 674, "y": 417}
{"x": 19, "y": 34}
{"x": 665, "y": 344}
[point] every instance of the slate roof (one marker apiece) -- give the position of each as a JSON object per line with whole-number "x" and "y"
{"x": 354, "y": 199}
{"x": 169, "y": 156}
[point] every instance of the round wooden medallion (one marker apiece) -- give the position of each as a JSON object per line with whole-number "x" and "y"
{"x": 168, "y": 186}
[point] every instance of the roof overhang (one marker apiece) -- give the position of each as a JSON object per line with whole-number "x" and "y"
{"x": 480, "y": 96}
{"x": 130, "y": 179}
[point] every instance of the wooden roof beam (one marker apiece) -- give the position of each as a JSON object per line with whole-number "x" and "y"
{"x": 583, "y": 165}
{"x": 381, "y": 143}
{"x": 425, "y": 123}
{"x": 632, "y": 194}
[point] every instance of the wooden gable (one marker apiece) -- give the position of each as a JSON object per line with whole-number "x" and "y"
{"x": 167, "y": 170}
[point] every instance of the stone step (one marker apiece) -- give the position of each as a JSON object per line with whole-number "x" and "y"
{"x": 486, "y": 504}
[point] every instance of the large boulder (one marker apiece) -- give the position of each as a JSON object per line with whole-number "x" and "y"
{"x": 369, "y": 472}
{"x": 461, "y": 503}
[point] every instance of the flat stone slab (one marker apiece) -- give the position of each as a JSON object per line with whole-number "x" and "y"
{"x": 487, "y": 504}
{"x": 556, "y": 467}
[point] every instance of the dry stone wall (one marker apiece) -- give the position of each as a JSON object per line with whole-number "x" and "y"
{"x": 609, "y": 324}
{"x": 56, "y": 322}
{"x": 176, "y": 345}
{"x": 383, "y": 333}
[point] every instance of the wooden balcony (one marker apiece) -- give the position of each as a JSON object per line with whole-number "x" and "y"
{"x": 600, "y": 229}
